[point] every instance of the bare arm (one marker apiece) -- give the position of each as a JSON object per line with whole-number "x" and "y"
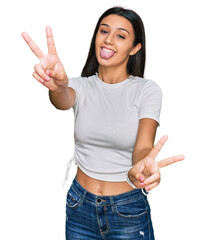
{"x": 63, "y": 99}
{"x": 145, "y": 139}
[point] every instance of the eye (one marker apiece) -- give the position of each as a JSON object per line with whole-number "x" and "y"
{"x": 120, "y": 36}
{"x": 103, "y": 31}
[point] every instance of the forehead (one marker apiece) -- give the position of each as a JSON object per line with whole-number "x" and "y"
{"x": 115, "y": 21}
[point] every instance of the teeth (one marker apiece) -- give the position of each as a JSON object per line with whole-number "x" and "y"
{"x": 107, "y": 50}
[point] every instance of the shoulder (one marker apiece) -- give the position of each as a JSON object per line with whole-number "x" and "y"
{"x": 146, "y": 86}
{"x": 82, "y": 80}
{"x": 144, "y": 82}
{"x": 79, "y": 78}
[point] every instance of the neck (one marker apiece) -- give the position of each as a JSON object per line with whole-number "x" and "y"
{"x": 112, "y": 75}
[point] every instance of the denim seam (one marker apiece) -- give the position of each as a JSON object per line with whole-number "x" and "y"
{"x": 127, "y": 201}
{"x": 105, "y": 211}
{"x": 130, "y": 216}
{"x": 119, "y": 202}
{"x": 75, "y": 205}
{"x": 98, "y": 219}
{"x": 112, "y": 204}
{"x": 69, "y": 194}
{"x": 148, "y": 225}
{"x": 75, "y": 191}
{"x": 83, "y": 197}
{"x": 80, "y": 200}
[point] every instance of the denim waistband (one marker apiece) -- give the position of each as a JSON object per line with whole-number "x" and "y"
{"x": 104, "y": 200}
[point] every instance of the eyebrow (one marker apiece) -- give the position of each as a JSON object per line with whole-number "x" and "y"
{"x": 104, "y": 24}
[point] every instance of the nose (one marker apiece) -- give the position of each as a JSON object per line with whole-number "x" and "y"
{"x": 109, "y": 39}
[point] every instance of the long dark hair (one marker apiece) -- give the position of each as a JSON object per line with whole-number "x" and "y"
{"x": 136, "y": 63}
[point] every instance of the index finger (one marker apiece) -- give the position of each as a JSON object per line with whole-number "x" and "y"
{"x": 50, "y": 41}
{"x": 35, "y": 49}
{"x": 155, "y": 150}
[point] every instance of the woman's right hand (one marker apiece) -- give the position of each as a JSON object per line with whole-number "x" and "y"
{"x": 50, "y": 71}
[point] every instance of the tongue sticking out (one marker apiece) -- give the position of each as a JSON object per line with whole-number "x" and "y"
{"x": 106, "y": 54}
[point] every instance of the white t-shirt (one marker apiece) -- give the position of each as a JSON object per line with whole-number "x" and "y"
{"x": 106, "y": 119}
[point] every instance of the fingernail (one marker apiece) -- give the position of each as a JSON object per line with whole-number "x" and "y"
{"x": 48, "y": 72}
{"x": 141, "y": 178}
{"x": 47, "y": 78}
{"x": 165, "y": 137}
{"x": 147, "y": 188}
{"x": 180, "y": 157}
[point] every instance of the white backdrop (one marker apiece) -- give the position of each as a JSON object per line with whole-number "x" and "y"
{"x": 37, "y": 139}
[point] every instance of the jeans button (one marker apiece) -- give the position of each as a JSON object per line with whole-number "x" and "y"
{"x": 99, "y": 200}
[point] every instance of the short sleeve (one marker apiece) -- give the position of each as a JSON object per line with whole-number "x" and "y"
{"x": 76, "y": 84}
{"x": 150, "y": 101}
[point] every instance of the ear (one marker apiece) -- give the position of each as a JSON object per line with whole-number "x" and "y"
{"x": 135, "y": 49}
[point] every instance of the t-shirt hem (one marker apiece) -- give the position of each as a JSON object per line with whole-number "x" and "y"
{"x": 111, "y": 177}
{"x": 76, "y": 91}
{"x": 152, "y": 117}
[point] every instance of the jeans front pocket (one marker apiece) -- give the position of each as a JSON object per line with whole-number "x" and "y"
{"x": 73, "y": 198}
{"x": 133, "y": 208}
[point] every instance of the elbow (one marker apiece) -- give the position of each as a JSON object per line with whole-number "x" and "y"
{"x": 61, "y": 107}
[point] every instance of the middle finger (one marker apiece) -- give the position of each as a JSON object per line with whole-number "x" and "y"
{"x": 50, "y": 41}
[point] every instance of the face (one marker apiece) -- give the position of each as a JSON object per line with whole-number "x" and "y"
{"x": 114, "y": 41}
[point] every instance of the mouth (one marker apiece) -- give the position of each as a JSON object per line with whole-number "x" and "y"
{"x": 106, "y": 53}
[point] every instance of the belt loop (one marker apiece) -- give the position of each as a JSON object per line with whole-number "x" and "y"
{"x": 83, "y": 197}
{"x": 112, "y": 203}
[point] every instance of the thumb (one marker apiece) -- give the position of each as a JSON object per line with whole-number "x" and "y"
{"x": 59, "y": 72}
{"x": 50, "y": 73}
{"x": 56, "y": 72}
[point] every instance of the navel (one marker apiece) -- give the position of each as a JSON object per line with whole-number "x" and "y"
{"x": 100, "y": 191}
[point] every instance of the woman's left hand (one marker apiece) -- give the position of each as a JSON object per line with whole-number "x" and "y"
{"x": 145, "y": 173}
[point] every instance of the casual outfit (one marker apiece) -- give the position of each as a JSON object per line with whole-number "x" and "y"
{"x": 106, "y": 123}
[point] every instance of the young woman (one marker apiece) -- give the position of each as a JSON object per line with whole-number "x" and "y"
{"x": 116, "y": 116}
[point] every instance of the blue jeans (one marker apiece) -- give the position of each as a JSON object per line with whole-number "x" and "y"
{"x": 122, "y": 216}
